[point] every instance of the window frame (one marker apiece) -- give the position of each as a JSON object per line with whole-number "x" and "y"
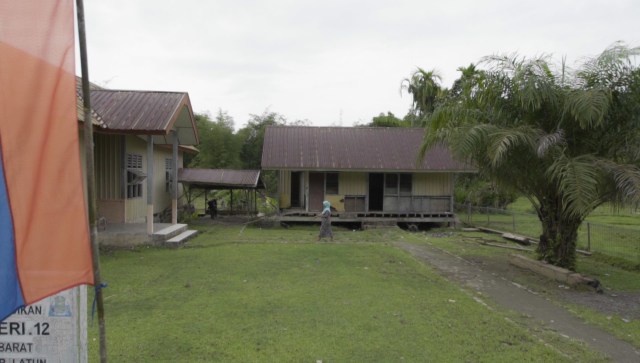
{"x": 334, "y": 187}
{"x": 135, "y": 176}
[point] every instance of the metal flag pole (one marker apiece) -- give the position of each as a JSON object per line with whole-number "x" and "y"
{"x": 91, "y": 178}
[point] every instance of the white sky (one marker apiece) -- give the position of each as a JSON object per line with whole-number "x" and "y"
{"x": 330, "y": 62}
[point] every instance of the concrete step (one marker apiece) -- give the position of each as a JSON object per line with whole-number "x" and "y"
{"x": 169, "y": 232}
{"x": 181, "y": 238}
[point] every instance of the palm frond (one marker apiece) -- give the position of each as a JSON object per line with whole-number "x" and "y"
{"x": 588, "y": 106}
{"x": 504, "y": 142}
{"x": 577, "y": 182}
{"x": 625, "y": 179}
{"x": 547, "y": 141}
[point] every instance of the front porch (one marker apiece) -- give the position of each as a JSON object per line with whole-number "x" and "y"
{"x": 299, "y": 215}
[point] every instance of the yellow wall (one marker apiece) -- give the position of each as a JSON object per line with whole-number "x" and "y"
{"x": 356, "y": 183}
{"x": 285, "y": 188}
{"x": 162, "y": 198}
{"x": 432, "y": 184}
{"x": 136, "y": 208}
{"x": 353, "y": 183}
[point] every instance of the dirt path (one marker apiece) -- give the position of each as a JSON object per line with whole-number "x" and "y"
{"x": 522, "y": 300}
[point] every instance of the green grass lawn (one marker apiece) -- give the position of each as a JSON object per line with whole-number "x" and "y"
{"x": 611, "y": 232}
{"x": 273, "y": 295}
{"x": 465, "y": 244}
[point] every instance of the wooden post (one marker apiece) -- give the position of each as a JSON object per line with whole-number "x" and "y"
{"x": 91, "y": 178}
{"x": 588, "y": 236}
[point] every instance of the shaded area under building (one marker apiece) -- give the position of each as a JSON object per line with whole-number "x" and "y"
{"x": 225, "y": 179}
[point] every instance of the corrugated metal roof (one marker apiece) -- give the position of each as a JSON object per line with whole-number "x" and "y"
{"x": 352, "y": 148}
{"x": 221, "y": 178}
{"x": 96, "y": 120}
{"x": 136, "y": 110}
{"x": 142, "y": 112}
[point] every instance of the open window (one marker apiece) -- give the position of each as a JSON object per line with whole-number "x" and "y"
{"x": 135, "y": 176}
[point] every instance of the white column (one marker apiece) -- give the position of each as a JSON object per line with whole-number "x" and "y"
{"x": 149, "y": 184}
{"x": 174, "y": 185}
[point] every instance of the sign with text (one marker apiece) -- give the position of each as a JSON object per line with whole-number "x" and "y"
{"x": 50, "y": 331}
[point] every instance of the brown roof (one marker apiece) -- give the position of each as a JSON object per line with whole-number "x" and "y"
{"x": 142, "y": 112}
{"x": 352, "y": 148}
{"x": 221, "y": 178}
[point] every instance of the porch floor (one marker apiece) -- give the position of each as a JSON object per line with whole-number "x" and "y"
{"x": 368, "y": 217}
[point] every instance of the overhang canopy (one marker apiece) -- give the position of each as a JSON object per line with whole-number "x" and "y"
{"x": 221, "y": 178}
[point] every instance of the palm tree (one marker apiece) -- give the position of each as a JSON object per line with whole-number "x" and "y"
{"x": 566, "y": 141}
{"x": 424, "y": 87}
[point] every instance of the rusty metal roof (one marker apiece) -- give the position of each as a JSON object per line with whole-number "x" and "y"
{"x": 136, "y": 110}
{"x": 142, "y": 112}
{"x": 221, "y": 178}
{"x": 96, "y": 120}
{"x": 352, "y": 148}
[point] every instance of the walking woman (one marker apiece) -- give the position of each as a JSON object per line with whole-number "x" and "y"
{"x": 325, "y": 225}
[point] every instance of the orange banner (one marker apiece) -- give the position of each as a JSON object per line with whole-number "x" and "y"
{"x": 40, "y": 152}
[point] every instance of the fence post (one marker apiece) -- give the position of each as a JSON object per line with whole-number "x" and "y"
{"x": 588, "y": 236}
{"x": 513, "y": 217}
{"x": 488, "y": 217}
{"x": 469, "y": 213}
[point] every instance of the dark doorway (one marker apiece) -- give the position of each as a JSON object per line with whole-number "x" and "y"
{"x": 376, "y": 191}
{"x": 316, "y": 191}
{"x": 296, "y": 198}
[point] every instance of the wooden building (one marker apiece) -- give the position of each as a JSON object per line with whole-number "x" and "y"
{"x": 140, "y": 138}
{"x": 366, "y": 173}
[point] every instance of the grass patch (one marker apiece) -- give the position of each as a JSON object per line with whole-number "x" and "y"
{"x": 607, "y": 231}
{"x": 618, "y": 275}
{"x": 273, "y": 295}
{"x": 625, "y": 329}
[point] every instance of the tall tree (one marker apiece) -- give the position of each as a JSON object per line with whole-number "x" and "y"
{"x": 252, "y": 137}
{"x": 425, "y": 88}
{"x": 219, "y": 147}
{"x": 388, "y": 120}
{"x": 567, "y": 140}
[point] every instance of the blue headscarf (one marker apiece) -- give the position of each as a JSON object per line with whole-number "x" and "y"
{"x": 326, "y": 206}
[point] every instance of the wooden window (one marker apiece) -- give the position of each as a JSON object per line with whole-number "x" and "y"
{"x": 405, "y": 184}
{"x": 331, "y": 183}
{"x": 391, "y": 184}
{"x": 135, "y": 175}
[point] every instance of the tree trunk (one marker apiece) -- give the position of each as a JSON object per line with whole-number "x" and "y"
{"x": 559, "y": 236}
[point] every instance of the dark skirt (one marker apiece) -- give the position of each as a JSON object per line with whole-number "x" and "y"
{"x": 325, "y": 225}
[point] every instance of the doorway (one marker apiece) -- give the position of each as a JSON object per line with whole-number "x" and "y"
{"x": 316, "y": 191}
{"x": 296, "y": 189}
{"x": 376, "y": 191}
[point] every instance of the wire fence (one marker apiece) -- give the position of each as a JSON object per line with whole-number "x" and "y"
{"x": 611, "y": 240}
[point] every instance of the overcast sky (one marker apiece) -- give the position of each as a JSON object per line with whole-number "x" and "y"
{"x": 329, "y": 62}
